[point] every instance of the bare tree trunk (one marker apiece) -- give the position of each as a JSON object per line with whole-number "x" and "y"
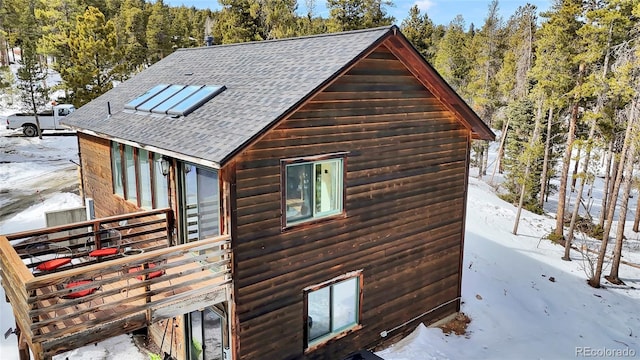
{"x": 613, "y": 198}
{"x": 545, "y": 163}
{"x": 4, "y": 57}
{"x": 35, "y": 109}
{"x": 532, "y": 142}
{"x": 498, "y": 164}
{"x": 562, "y": 192}
{"x": 583, "y": 180}
{"x": 479, "y": 161}
{"x": 607, "y": 181}
{"x": 622, "y": 214}
{"x": 575, "y": 170}
{"x": 523, "y": 191}
{"x": 636, "y": 221}
{"x": 486, "y": 157}
{"x": 585, "y": 166}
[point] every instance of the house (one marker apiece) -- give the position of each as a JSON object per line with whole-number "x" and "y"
{"x": 322, "y": 179}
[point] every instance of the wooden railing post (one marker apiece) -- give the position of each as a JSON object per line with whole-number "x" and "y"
{"x": 96, "y": 235}
{"x": 34, "y": 306}
{"x": 170, "y": 226}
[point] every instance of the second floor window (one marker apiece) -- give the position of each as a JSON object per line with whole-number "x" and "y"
{"x": 137, "y": 176}
{"x": 313, "y": 189}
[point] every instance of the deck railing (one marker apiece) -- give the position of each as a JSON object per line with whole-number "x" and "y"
{"x": 90, "y": 299}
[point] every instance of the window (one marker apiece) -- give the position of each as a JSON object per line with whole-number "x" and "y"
{"x": 131, "y": 191}
{"x": 65, "y": 111}
{"x": 116, "y": 169}
{"x": 137, "y": 176}
{"x": 144, "y": 170}
{"x": 313, "y": 189}
{"x": 208, "y": 331}
{"x": 200, "y": 201}
{"x": 333, "y": 308}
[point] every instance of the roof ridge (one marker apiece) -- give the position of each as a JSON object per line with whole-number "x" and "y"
{"x": 387, "y": 27}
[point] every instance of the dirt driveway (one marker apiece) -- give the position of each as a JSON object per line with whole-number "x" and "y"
{"x": 32, "y": 169}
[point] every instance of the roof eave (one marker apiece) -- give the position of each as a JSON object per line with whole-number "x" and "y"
{"x": 431, "y": 79}
{"x": 151, "y": 148}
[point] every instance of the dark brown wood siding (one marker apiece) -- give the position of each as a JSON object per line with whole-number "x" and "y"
{"x": 405, "y": 192}
{"x": 95, "y": 154}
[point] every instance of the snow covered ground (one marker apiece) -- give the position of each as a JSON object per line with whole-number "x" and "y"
{"x": 523, "y": 300}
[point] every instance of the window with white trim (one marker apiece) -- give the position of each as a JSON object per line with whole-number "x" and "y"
{"x": 333, "y": 308}
{"x": 313, "y": 189}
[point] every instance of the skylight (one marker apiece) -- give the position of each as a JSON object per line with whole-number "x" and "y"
{"x": 175, "y": 100}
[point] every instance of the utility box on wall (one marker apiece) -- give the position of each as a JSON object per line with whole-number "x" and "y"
{"x": 63, "y": 217}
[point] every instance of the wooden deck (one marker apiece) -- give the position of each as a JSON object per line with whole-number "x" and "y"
{"x": 149, "y": 282}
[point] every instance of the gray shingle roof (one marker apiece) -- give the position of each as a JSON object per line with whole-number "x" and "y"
{"x": 264, "y": 80}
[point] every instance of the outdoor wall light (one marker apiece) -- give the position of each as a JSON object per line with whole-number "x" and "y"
{"x": 164, "y": 165}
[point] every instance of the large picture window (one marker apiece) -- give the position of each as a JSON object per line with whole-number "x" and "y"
{"x": 333, "y": 308}
{"x": 313, "y": 189}
{"x": 137, "y": 176}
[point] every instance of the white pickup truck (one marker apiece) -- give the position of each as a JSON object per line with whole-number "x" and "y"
{"x": 49, "y": 120}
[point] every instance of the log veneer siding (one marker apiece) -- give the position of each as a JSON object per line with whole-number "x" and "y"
{"x": 405, "y": 196}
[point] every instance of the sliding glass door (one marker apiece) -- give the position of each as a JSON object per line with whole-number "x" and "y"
{"x": 199, "y": 202}
{"x": 207, "y": 334}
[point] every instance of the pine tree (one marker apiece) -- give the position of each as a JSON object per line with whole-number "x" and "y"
{"x": 4, "y": 56}
{"x": 57, "y": 19}
{"x": 94, "y": 57}
{"x": 130, "y": 25}
{"x": 310, "y": 24}
{"x": 556, "y": 45}
{"x": 421, "y": 32}
{"x": 522, "y": 156}
{"x": 7, "y": 79}
{"x": 606, "y": 25}
{"x": 159, "y": 36}
{"x": 482, "y": 89}
{"x": 513, "y": 76}
{"x": 112, "y": 8}
{"x": 31, "y": 73}
{"x": 235, "y": 22}
{"x": 452, "y": 57}
{"x": 347, "y": 15}
{"x": 10, "y": 11}
{"x": 277, "y": 18}
{"x": 487, "y": 46}
{"x": 624, "y": 86}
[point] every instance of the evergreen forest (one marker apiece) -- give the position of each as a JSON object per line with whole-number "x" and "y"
{"x": 561, "y": 87}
